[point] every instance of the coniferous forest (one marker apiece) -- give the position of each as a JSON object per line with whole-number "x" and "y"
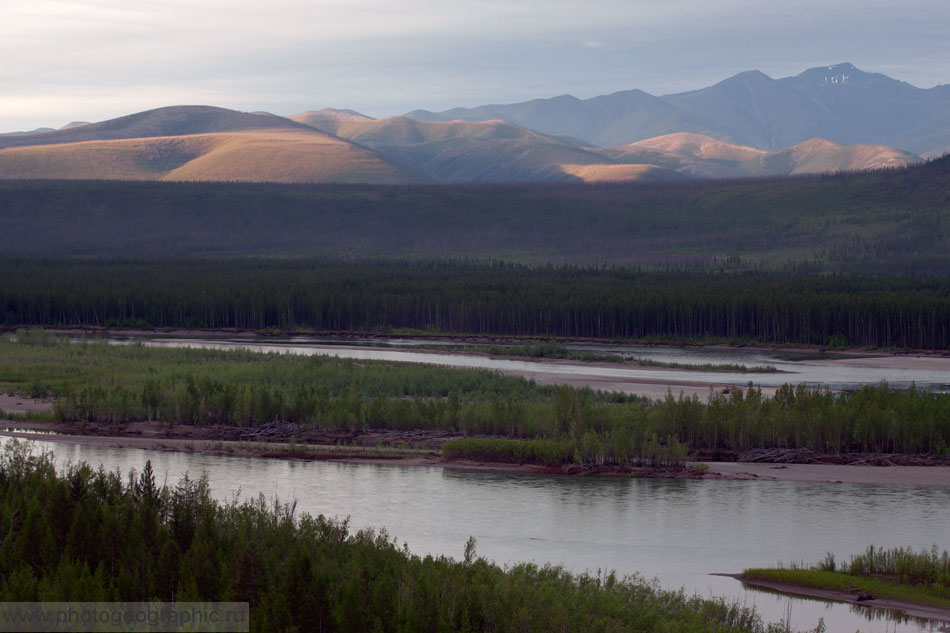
{"x": 495, "y": 299}
{"x": 883, "y": 222}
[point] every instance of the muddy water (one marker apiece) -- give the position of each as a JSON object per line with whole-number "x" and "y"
{"x": 676, "y": 531}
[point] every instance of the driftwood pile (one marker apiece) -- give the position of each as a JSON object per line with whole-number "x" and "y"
{"x": 779, "y": 456}
{"x": 276, "y": 430}
{"x": 807, "y": 456}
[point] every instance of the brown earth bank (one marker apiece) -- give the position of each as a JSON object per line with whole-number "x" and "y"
{"x": 906, "y": 608}
{"x": 23, "y": 404}
{"x": 423, "y": 448}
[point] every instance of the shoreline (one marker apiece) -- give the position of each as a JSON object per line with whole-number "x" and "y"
{"x": 911, "y": 609}
{"x": 415, "y": 449}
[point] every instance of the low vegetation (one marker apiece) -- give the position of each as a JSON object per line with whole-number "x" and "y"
{"x": 94, "y": 381}
{"x": 94, "y": 535}
{"x": 900, "y": 573}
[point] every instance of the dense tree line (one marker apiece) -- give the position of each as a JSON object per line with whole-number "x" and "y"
{"x": 492, "y": 299}
{"x": 107, "y": 383}
{"x": 93, "y": 535}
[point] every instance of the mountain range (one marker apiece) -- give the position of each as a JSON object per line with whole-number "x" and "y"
{"x": 840, "y": 103}
{"x": 824, "y": 120}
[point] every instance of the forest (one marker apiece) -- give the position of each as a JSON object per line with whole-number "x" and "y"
{"x": 497, "y": 299}
{"x": 499, "y": 418}
{"x": 886, "y": 222}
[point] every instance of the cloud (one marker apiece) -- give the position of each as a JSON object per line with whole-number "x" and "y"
{"x": 90, "y": 59}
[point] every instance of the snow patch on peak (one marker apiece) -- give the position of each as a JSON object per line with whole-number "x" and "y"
{"x": 834, "y": 80}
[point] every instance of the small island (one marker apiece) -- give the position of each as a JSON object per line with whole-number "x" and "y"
{"x": 916, "y": 583}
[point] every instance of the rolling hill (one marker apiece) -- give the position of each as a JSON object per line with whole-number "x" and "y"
{"x": 701, "y": 156}
{"x": 167, "y": 121}
{"x": 343, "y": 146}
{"x": 196, "y": 143}
{"x": 840, "y": 103}
{"x": 487, "y": 151}
{"x": 496, "y": 151}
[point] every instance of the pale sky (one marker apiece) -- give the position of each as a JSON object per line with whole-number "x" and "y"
{"x": 67, "y": 60}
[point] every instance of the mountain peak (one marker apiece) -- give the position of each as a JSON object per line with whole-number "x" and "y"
{"x": 748, "y": 76}
{"x": 834, "y": 75}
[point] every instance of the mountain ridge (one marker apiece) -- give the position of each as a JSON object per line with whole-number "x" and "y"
{"x": 333, "y": 145}
{"x": 839, "y": 102}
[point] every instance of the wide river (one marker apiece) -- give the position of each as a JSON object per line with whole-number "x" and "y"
{"x": 676, "y": 531}
{"x": 679, "y": 532}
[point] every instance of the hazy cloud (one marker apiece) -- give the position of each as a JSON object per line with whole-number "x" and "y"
{"x": 94, "y": 59}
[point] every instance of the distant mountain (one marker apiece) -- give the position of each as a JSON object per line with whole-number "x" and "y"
{"x": 196, "y": 143}
{"x": 840, "y": 103}
{"x": 315, "y": 118}
{"x": 940, "y": 152}
{"x": 489, "y": 151}
{"x": 496, "y": 151}
{"x": 38, "y": 130}
{"x": 701, "y": 156}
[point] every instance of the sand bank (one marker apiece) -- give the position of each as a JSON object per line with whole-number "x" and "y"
{"x": 907, "y": 608}
{"x": 833, "y": 473}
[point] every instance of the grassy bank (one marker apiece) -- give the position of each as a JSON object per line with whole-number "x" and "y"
{"x": 88, "y": 535}
{"x": 902, "y": 574}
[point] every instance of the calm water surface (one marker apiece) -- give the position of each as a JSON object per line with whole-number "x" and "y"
{"x": 677, "y": 531}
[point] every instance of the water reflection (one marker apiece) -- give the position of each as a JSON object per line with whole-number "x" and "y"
{"x": 892, "y": 618}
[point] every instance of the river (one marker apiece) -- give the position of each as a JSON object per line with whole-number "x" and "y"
{"x": 676, "y": 531}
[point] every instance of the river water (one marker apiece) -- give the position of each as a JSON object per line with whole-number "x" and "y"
{"x": 676, "y": 531}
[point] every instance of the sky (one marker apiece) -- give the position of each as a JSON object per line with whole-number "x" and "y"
{"x": 91, "y": 60}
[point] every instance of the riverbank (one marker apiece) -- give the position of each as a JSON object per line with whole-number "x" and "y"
{"x": 911, "y": 609}
{"x": 423, "y": 448}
